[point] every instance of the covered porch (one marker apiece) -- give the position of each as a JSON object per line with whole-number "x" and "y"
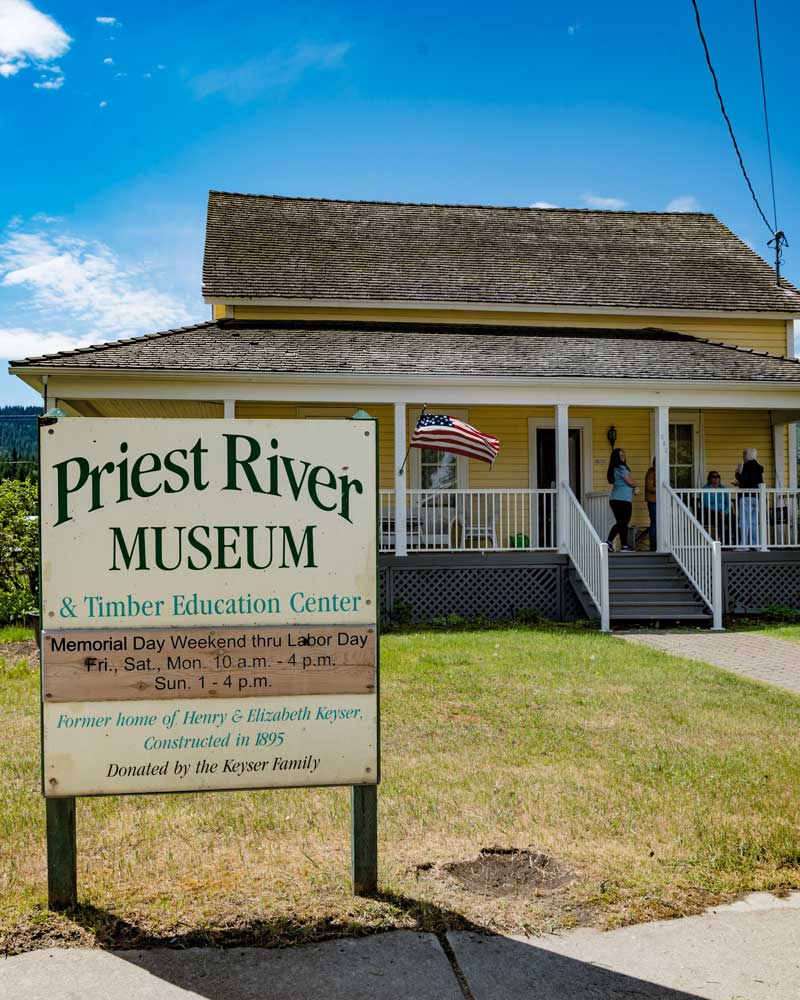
{"x": 556, "y": 398}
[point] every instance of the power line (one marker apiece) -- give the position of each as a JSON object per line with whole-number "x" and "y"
{"x": 728, "y": 122}
{"x": 766, "y": 116}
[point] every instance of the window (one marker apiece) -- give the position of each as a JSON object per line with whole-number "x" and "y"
{"x": 681, "y": 456}
{"x": 438, "y": 470}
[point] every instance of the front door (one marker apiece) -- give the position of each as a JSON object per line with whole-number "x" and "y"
{"x": 546, "y": 459}
{"x": 546, "y": 476}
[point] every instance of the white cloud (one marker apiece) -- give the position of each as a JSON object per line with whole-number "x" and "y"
{"x": 84, "y": 286}
{"x": 20, "y": 342}
{"x": 120, "y": 74}
{"x": 277, "y": 70}
{"x": 684, "y": 203}
{"x": 160, "y": 66}
{"x": 146, "y": 76}
{"x": 103, "y": 104}
{"x": 29, "y": 37}
{"x": 542, "y": 204}
{"x": 108, "y": 61}
{"x": 106, "y": 20}
{"x": 609, "y": 204}
{"x": 53, "y": 83}
{"x": 572, "y": 29}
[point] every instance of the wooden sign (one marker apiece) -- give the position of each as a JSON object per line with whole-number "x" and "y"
{"x": 208, "y": 604}
{"x": 120, "y": 665}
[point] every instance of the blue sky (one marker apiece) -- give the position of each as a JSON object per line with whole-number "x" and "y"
{"x": 118, "y": 117}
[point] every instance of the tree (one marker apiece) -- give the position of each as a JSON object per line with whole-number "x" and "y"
{"x": 19, "y": 536}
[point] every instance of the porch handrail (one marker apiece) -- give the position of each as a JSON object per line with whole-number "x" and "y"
{"x": 764, "y": 517}
{"x": 587, "y": 551}
{"x": 697, "y": 554}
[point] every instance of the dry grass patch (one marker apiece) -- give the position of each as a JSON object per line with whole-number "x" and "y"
{"x": 664, "y": 785}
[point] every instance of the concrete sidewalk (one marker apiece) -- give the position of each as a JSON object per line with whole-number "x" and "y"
{"x": 747, "y": 951}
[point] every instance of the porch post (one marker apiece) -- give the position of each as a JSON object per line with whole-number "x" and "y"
{"x": 229, "y": 408}
{"x": 661, "y": 423}
{"x": 562, "y": 472}
{"x": 779, "y": 452}
{"x": 400, "y": 446}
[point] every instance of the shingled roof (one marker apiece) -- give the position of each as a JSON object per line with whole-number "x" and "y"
{"x": 412, "y": 350}
{"x": 261, "y": 247}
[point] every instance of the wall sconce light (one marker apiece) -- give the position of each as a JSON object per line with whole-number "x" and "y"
{"x": 612, "y": 435}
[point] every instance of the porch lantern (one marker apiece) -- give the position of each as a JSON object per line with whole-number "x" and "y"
{"x": 612, "y": 435}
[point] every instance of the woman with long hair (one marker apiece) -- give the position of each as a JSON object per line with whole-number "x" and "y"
{"x": 621, "y": 498}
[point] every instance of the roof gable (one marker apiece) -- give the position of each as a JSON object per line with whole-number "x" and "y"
{"x": 262, "y": 247}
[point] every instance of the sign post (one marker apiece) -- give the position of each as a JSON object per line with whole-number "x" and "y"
{"x": 209, "y": 612}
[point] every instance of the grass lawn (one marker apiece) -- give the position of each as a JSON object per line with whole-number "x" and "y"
{"x": 790, "y": 632}
{"x": 665, "y": 784}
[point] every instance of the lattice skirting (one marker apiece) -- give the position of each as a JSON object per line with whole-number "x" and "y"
{"x": 500, "y": 587}
{"x": 420, "y": 588}
{"x": 755, "y": 580}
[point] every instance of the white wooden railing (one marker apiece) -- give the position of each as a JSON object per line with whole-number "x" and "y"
{"x": 696, "y": 552}
{"x": 764, "y": 518}
{"x": 471, "y": 520}
{"x": 595, "y": 503}
{"x": 587, "y": 551}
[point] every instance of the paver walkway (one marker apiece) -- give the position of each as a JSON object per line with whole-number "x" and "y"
{"x": 751, "y": 654}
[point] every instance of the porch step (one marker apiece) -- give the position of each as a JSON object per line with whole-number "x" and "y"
{"x": 645, "y": 587}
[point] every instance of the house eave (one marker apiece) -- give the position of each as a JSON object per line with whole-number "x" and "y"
{"x": 278, "y": 302}
{"x": 28, "y": 372}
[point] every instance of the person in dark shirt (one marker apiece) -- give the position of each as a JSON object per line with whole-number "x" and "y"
{"x": 749, "y": 476}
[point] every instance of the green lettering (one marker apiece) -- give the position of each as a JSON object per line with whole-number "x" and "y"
{"x": 126, "y": 553}
{"x": 314, "y": 485}
{"x": 64, "y": 488}
{"x": 234, "y": 462}
{"x": 294, "y": 551}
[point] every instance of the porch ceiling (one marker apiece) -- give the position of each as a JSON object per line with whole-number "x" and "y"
{"x": 409, "y": 350}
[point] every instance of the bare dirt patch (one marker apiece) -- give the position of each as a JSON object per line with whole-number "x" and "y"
{"x": 13, "y": 652}
{"x": 508, "y": 871}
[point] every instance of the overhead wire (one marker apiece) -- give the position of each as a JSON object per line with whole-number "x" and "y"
{"x": 766, "y": 115}
{"x": 772, "y": 229}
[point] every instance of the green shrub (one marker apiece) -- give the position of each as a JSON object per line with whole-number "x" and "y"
{"x": 781, "y": 614}
{"x": 14, "y": 606}
{"x": 19, "y": 535}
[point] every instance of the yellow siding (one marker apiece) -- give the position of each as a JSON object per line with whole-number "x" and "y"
{"x": 728, "y": 432}
{"x": 383, "y": 414}
{"x": 758, "y": 334}
{"x": 185, "y": 408}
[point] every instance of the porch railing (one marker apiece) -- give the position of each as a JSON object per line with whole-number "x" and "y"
{"x": 696, "y": 552}
{"x": 471, "y": 520}
{"x": 589, "y": 554}
{"x": 595, "y": 503}
{"x": 764, "y": 518}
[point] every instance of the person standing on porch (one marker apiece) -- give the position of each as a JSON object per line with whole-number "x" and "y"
{"x": 749, "y": 477}
{"x": 621, "y": 498}
{"x": 650, "y": 497}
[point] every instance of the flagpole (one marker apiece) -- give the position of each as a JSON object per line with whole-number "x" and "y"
{"x": 408, "y": 450}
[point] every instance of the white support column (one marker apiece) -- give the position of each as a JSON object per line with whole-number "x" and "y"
{"x": 562, "y": 472}
{"x": 661, "y": 433}
{"x": 792, "y": 336}
{"x": 779, "y": 452}
{"x": 400, "y": 447}
{"x": 229, "y": 408}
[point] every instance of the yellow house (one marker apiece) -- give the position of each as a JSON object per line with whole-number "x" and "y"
{"x": 563, "y": 333}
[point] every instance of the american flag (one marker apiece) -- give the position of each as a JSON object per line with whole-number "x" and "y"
{"x": 441, "y": 433}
